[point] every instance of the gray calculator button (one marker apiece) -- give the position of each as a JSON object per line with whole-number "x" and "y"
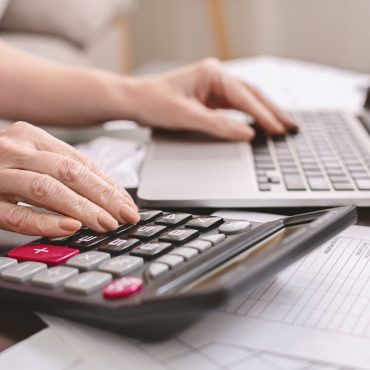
{"x": 88, "y": 260}
{"x": 234, "y": 227}
{"x": 214, "y": 238}
{"x": 23, "y": 272}
{"x": 171, "y": 260}
{"x": 200, "y": 245}
{"x": 122, "y": 265}
{"x": 156, "y": 269}
{"x": 87, "y": 282}
{"x": 6, "y": 262}
{"x": 54, "y": 276}
{"x": 187, "y": 253}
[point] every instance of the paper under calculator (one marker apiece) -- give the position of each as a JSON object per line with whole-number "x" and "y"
{"x": 158, "y": 276}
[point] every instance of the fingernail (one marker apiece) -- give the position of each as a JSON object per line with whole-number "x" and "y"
{"x": 69, "y": 224}
{"x": 128, "y": 214}
{"x": 107, "y": 222}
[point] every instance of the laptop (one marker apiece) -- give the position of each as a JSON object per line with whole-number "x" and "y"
{"x": 327, "y": 163}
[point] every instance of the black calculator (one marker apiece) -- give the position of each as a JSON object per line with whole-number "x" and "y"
{"x": 156, "y": 277}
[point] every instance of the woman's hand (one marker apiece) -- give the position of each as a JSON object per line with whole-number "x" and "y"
{"x": 185, "y": 99}
{"x": 41, "y": 170}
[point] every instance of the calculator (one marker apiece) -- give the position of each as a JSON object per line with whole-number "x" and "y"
{"x": 157, "y": 277}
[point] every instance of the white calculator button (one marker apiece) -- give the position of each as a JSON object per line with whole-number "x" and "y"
{"x": 122, "y": 265}
{"x": 187, "y": 253}
{"x": 214, "y": 238}
{"x": 6, "y": 262}
{"x": 171, "y": 260}
{"x": 156, "y": 269}
{"x": 88, "y": 260}
{"x": 235, "y": 227}
{"x": 87, "y": 282}
{"x": 200, "y": 245}
{"x": 23, "y": 272}
{"x": 53, "y": 277}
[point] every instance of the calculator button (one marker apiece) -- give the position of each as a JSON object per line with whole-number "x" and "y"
{"x": 234, "y": 227}
{"x": 88, "y": 282}
{"x": 187, "y": 253}
{"x": 22, "y": 272}
{"x": 171, "y": 260}
{"x": 148, "y": 215}
{"x": 88, "y": 260}
{"x": 123, "y": 229}
{"x": 50, "y": 254}
{"x": 156, "y": 269}
{"x": 58, "y": 240}
{"x": 6, "y": 262}
{"x": 53, "y": 277}
{"x": 204, "y": 223}
{"x": 214, "y": 238}
{"x": 146, "y": 232}
{"x": 119, "y": 245}
{"x": 200, "y": 245}
{"x": 87, "y": 241}
{"x": 149, "y": 251}
{"x": 123, "y": 287}
{"x": 173, "y": 219}
{"x": 178, "y": 236}
{"x": 122, "y": 265}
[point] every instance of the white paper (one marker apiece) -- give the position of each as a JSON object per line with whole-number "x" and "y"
{"x": 43, "y": 350}
{"x": 120, "y": 158}
{"x": 295, "y": 84}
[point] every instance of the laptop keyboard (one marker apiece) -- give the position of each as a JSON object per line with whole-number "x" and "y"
{"x": 325, "y": 155}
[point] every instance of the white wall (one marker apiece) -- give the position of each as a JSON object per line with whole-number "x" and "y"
{"x": 334, "y": 32}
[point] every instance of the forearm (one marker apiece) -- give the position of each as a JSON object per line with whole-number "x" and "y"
{"x": 49, "y": 93}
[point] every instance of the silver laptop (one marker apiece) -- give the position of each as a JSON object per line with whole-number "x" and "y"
{"x": 327, "y": 163}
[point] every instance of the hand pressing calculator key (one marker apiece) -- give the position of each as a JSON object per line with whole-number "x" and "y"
{"x": 155, "y": 278}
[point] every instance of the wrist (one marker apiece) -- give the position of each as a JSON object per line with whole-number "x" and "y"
{"x": 119, "y": 97}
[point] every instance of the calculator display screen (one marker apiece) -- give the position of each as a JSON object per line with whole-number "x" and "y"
{"x": 242, "y": 260}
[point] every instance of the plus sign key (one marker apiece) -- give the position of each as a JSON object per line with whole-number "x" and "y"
{"x": 50, "y": 254}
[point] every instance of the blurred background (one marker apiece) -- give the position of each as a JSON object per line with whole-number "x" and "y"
{"x": 138, "y": 36}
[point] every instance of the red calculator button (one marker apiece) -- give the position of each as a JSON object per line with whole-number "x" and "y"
{"x": 123, "y": 287}
{"x": 50, "y": 254}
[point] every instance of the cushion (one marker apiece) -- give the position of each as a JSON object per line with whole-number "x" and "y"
{"x": 3, "y": 4}
{"x": 76, "y": 20}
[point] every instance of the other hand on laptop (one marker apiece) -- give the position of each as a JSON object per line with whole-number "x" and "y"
{"x": 186, "y": 98}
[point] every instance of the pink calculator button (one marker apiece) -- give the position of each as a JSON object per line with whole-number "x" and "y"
{"x": 123, "y": 287}
{"x": 50, "y": 254}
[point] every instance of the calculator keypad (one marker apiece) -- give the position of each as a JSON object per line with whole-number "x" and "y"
{"x": 114, "y": 264}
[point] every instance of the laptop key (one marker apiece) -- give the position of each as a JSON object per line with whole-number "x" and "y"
{"x": 342, "y": 186}
{"x": 264, "y": 187}
{"x": 294, "y": 182}
{"x": 363, "y": 184}
{"x": 318, "y": 183}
